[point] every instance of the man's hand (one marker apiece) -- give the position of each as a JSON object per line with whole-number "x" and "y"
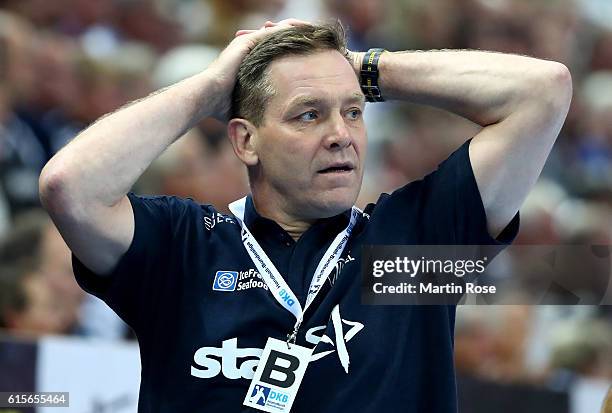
{"x": 224, "y": 69}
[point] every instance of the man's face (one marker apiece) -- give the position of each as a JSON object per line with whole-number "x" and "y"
{"x": 311, "y": 144}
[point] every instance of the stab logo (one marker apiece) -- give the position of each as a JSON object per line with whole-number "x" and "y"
{"x": 234, "y": 362}
{"x": 230, "y": 360}
{"x": 225, "y": 281}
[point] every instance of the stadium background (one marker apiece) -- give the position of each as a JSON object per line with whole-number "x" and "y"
{"x": 64, "y": 63}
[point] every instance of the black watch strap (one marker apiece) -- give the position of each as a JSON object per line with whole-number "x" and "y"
{"x": 369, "y": 75}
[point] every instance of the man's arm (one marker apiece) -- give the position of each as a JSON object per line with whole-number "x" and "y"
{"x": 520, "y": 102}
{"x": 84, "y": 186}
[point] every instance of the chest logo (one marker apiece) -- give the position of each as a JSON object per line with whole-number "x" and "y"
{"x": 216, "y": 218}
{"x": 238, "y": 280}
{"x": 344, "y": 331}
{"x": 225, "y": 281}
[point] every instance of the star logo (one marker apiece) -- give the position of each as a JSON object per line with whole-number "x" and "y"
{"x": 342, "y": 338}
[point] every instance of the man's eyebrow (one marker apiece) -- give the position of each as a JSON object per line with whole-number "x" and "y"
{"x": 304, "y": 100}
{"x": 358, "y": 98}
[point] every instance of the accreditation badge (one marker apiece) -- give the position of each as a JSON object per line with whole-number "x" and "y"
{"x": 278, "y": 376}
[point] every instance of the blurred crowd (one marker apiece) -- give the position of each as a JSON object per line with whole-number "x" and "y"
{"x": 65, "y": 63}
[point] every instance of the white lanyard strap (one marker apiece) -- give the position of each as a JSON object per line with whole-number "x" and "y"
{"x": 278, "y": 286}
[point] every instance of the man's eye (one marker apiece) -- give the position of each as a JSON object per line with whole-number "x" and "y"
{"x": 354, "y": 114}
{"x": 308, "y": 116}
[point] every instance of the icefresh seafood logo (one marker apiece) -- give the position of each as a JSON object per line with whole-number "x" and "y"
{"x": 225, "y": 281}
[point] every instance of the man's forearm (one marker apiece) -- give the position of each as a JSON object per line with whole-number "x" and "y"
{"x": 484, "y": 87}
{"x": 104, "y": 161}
{"x": 520, "y": 102}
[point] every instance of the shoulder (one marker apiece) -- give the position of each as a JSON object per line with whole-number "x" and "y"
{"x": 175, "y": 213}
{"x": 440, "y": 207}
{"x": 170, "y": 206}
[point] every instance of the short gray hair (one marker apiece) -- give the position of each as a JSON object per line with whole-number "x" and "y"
{"x": 253, "y": 88}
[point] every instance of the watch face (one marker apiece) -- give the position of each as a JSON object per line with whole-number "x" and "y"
{"x": 372, "y": 93}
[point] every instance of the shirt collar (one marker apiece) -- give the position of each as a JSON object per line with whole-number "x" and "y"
{"x": 256, "y": 222}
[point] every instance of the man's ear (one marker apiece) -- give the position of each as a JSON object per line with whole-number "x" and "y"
{"x": 243, "y": 136}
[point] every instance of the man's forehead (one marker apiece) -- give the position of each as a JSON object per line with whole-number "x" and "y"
{"x": 316, "y": 76}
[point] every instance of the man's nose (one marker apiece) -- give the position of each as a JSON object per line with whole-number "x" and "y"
{"x": 338, "y": 135}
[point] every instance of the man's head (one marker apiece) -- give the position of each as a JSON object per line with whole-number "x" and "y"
{"x": 297, "y": 122}
{"x": 28, "y": 304}
{"x": 41, "y": 294}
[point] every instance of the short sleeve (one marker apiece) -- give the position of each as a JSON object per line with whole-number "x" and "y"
{"x": 137, "y": 283}
{"x": 444, "y": 207}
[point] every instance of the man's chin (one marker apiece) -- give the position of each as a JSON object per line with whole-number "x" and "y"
{"x": 331, "y": 204}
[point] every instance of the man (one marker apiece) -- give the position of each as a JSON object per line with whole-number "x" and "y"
{"x": 38, "y": 294}
{"x": 196, "y": 285}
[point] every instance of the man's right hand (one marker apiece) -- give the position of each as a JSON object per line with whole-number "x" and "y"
{"x": 225, "y": 68}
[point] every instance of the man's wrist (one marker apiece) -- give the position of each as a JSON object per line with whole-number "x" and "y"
{"x": 369, "y": 74}
{"x": 211, "y": 95}
{"x": 356, "y": 58}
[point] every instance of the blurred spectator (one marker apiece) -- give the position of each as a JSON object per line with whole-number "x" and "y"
{"x": 50, "y": 111}
{"x": 583, "y": 348}
{"x": 215, "y": 22}
{"x": 140, "y": 20}
{"x": 365, "y": 20}
{"x": 490, "y": 343}
{"x": 110, "y": 81}
{"x": 39, "y": 283}
{"x": 41, "y": 258}
{"x": 201, "y": 166}
{"x": 22, "y": 156}
{"x": 27, "y": 303}
{"x": 581, "y": 362}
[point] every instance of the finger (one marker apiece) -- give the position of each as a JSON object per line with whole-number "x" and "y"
{"x": 270, "y": 24}
{"x": 242, "y": 32}
{"x": 293, "y": 22}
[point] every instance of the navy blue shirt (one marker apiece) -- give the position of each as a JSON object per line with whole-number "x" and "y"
{"x": 200, "y": 345}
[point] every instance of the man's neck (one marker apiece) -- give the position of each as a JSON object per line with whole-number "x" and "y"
{"x": 295, "y": 227}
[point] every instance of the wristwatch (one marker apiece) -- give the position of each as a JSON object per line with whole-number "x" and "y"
{"x": 369, "y": 75}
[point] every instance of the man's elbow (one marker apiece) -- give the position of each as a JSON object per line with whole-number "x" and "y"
{"x": 53, "y": 189}
{"x": 559, "y": 88}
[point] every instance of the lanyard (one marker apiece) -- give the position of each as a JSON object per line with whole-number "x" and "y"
{"x": 278, "y": 286}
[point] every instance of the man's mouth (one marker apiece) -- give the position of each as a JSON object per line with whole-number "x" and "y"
{"x": 338, "y": 168}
